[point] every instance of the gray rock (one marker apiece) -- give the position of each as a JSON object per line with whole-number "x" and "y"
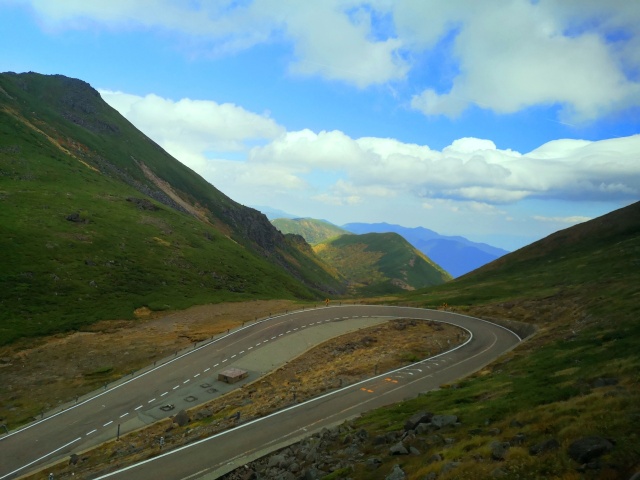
{"x": 398, "y": 449}
{"x": 313, "y": 473}
{"x": 373, "y": 463}
{"x": 586, "y": 449}
{"x": 181, "y": 418}
{"x": 545, "y": 446}
{"x": 276, "y": 461}
{"x": 498, "y": 450}
{"x": 440, "y": 421}
{"x": 396, "y": 474}
{"x": 414, "y": 451}
{"x": 416, "y": 419}
{"x": 423, "y": 428}
{"x": 436, "y": 457}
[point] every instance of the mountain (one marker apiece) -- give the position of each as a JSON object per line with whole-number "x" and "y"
{"x": 273, "y": 213}
{"x": 380, "y": 263}
{"x": 97, "y": 221}
{"x": 314, "y": 231}
{"x": 455, "y": 254}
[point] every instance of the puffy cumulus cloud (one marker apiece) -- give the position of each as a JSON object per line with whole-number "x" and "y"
{"x": 519, "y": 54}
{"x": 471, "y": 170}
{"x": 188, "y": 129}
{"x": 328, "y": 39}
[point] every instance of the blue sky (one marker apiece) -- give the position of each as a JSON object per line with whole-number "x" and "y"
{"x": 501, "y": 121}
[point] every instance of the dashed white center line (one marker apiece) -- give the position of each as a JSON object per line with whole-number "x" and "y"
{"x": 295, "y": 329}
{"x": 265, "y": 341}
{"x": 196, "y": 375}
{"x": 207, "y": 369}
{"x": 164, "y": 394}
{"x": 216, "y": 365}
{"x": 233, "y": 356}
{"x": 92, "y": 431}
{"x": 328, "y": 320}
{"x": 186, "y": 381}
{"x": 138, "y": 407}
{"x": 152, "y": 400}
{"x": 177, "y": 386}
{"x": 225, "y": 360}
{"x": 258, "y": 344}
{"x": 241, "y": 352}
{"x": 124, "y": 414}
{"x": 108, "y": 423}
{"x": 303, "y": 326}
{"x": 249, "y": 348}
{"x": 281, "y": 334}
{"x": 288, "y": 331}
{"x": 273, "y": 338}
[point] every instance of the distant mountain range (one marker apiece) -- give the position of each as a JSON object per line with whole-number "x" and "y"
{"x": 455, "y": 254}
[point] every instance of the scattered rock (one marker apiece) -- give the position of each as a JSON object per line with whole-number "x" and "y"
{"x": 398, "y": 449}
{"x": 181, "y": 418}
{"x": 73, "y": 459}
{"x": 586, "y": 449}
{"x": 143, "y": 203}
{"x": 373, "y": 463}
{"x": 447, "y": 467}
{"x": 499, "y": 450}
{"x": 396, "y": 474}
{"x": 416, "y": 419}
{"x": 440, "y": 421}
{"x": 545, "y": 446}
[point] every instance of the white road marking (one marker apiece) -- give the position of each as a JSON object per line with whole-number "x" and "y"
{"x": 241, "y": 352}
{"x": 258, "y": 344}
{"x": 233, "y": 356}
{"x": 225, "y": 360}
{"x": 108, "y": 423}
{"x": 281, "y": 334}
{"x": 196, "y": 375}
{"x": 164, "y": 394}
{"x": 249, "y": 348}
{"x": 295, "y": 329}
{"x": 124, "y": 414}
{"x": 207, "y": 369}
{"x": 216, "y": 365}
{"x": 186, "y": 381}
{"x": 92, "y": 431}
{"x": 273, "y": 338}
{"x": 288, "y": 331}
{"x": 44, "y": 456}
{"x": 177, "y": 386}
{"x": 152, "y": 400}
{"x": 138, "y": 407}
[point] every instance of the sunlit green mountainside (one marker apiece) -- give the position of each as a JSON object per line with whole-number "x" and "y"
{"x": 314, "y": 231}
{"x": 380, "y": 263}
{"x": 96, "y": 220}
{"x": 576, "y": 381}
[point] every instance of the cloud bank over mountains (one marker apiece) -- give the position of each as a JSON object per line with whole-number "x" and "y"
{"x": 469, "y": 169}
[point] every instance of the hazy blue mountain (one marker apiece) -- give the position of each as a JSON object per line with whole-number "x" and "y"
{"x": 455, "y": 254}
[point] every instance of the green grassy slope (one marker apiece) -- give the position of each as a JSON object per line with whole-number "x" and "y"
{"x": 380, "y": 263}
{"x": 576, "y": 377}
{"x": 312, "y": 230}
{"x": 64, "y": 152}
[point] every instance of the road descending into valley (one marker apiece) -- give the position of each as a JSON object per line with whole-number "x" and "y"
{"x": 190, "y": 379}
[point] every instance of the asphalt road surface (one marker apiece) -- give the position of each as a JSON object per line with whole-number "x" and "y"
{"x": 190, "y": 379}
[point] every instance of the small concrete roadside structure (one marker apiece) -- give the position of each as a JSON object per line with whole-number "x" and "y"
{"x": 232, "y": 375}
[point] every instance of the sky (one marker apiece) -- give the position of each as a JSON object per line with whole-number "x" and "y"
{"x": 502, "y": 121}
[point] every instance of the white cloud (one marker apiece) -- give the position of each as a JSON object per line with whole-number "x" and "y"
{"x": 582, "y": 55}
{"x": 519, "y": 54}
{"x": 189, "y": 129}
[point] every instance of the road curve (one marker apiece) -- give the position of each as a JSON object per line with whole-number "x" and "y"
{"x": 219, "y": 454}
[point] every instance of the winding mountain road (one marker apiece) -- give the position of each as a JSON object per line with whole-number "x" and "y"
{"x": 190, "y": 379}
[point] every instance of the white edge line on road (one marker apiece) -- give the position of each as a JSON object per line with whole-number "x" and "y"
{"x": 279, "y": 412}
{"x": 44, "y": 456}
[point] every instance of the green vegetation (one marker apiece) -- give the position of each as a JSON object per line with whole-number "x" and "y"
{"x": 312, "y": 230}
{"x": 380, "y": 263}
{"x": 97, "y": 221}
{"x": 576, "y": 377}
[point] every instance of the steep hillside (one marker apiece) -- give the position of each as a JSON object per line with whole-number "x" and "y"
{"x": 380, "y": 263}
{"x": 565, "y": 403}
{"x": 97, "y": 221}
{"x": 455, "y": 254}
{"x": 312, "y": 230}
